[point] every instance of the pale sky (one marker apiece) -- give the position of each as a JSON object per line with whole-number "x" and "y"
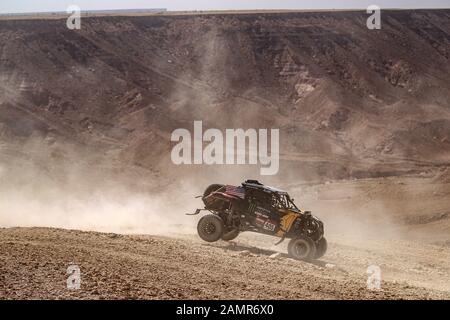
{"x": 14, "y": 6}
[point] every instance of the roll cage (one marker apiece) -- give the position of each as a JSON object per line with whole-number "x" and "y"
{"x": 283, "y": 201}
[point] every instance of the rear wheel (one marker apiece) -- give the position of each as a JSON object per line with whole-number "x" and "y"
{"x": 321, "y": 248}
{"x": 230, "y": 234}
{"x": 210, "y": 228}
{"x": 302, "y": 248}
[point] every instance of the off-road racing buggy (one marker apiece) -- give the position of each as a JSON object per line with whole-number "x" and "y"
{"x": 262, "y": 209}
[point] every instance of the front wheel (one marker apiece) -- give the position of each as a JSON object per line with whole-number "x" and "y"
{"x": 210, "y": 228}
{"x": 302, "y": 248}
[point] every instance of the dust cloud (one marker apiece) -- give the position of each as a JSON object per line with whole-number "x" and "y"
{"x": 73, "y": 193}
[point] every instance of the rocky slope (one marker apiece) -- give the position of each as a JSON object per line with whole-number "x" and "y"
{"x": 349, "y": 101}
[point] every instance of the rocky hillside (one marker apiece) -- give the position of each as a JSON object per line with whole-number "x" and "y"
{"x": 349, "y": 101}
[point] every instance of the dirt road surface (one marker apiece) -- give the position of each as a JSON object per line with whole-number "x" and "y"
{"x": 34, "y": 264}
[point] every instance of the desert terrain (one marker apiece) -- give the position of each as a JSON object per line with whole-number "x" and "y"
{"x": 86, "y": 176}
{"x": 144, "y": 267}
{"x": 409, "y": 245}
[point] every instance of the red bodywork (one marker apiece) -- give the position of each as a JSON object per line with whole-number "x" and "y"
{"x": 227, "y": 193}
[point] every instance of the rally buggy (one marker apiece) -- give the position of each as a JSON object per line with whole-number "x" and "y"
{"x": 262, "y": 209}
